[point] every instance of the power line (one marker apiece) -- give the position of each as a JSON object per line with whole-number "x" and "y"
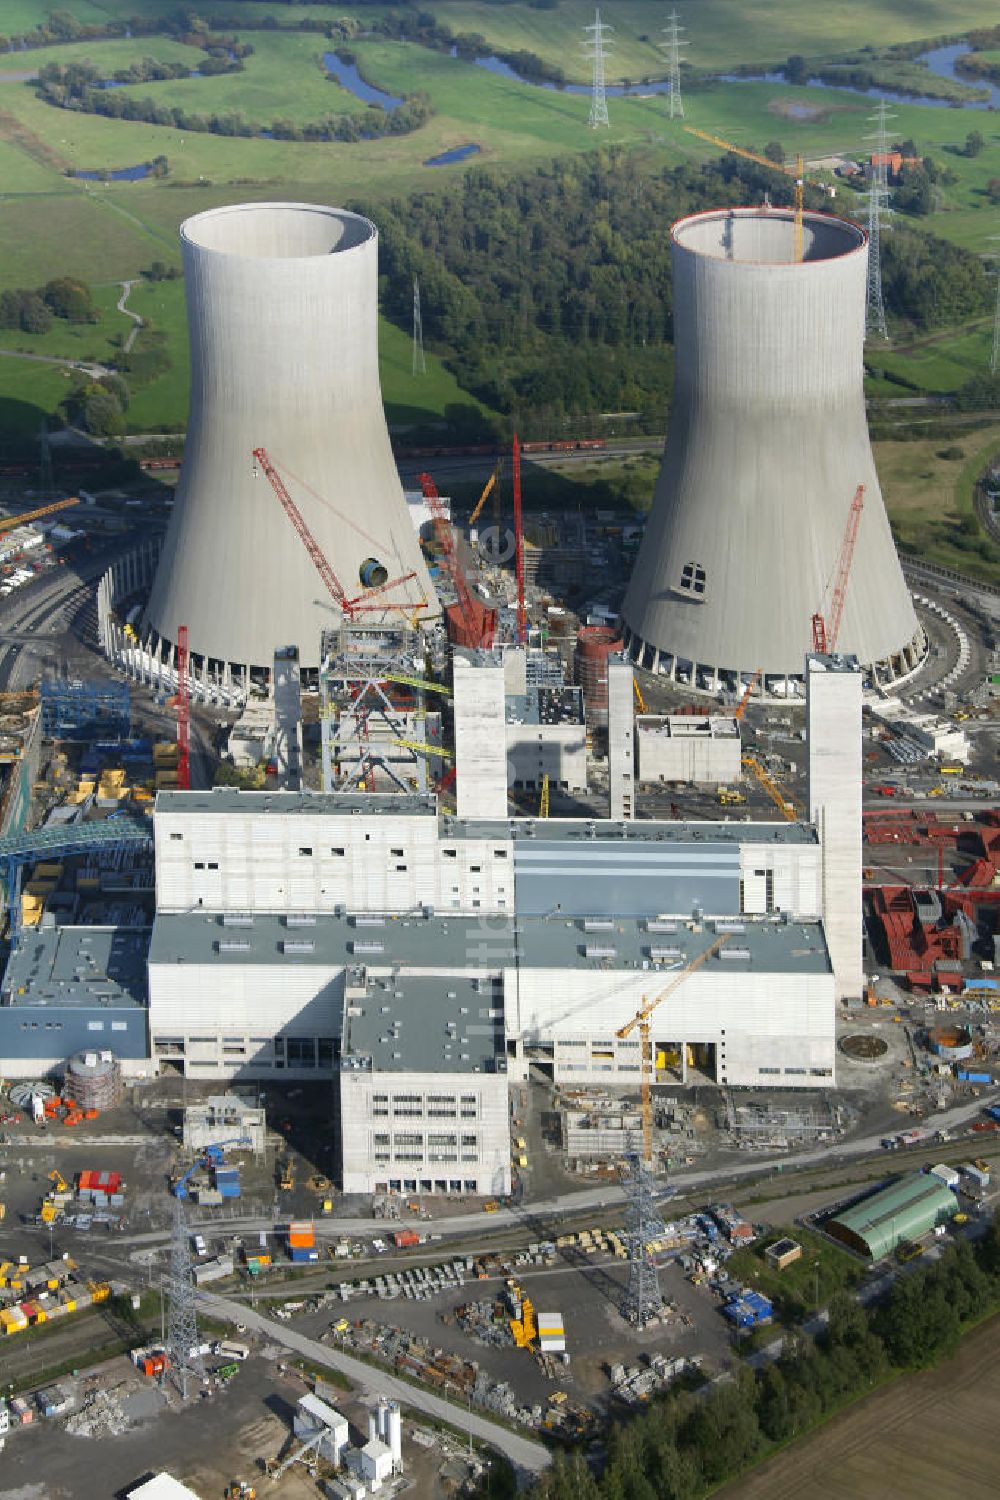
{"x": 182, "y": 1321}
{"x": 642, "y": 1301}
{"x": 419, "y": 362}
{"x": 878, "y": 209}
{"x": 673, "y": 48}
{"x": 595, "y": 47}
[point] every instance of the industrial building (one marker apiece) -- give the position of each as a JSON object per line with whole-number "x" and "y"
{"x": 766, "y": 448}
{"x": 282, "y": 315}
{"x": 699, "y": 748}
{"x": 903, "y": 1210}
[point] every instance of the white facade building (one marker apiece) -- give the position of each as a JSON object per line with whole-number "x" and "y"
{"x": 833, "y": 733}
{"x": 621, "y": 738}
{"x": 699, "y": 748}
{"x": 480, "y": 736}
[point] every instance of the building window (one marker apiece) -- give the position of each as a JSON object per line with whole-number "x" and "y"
{"x": 693, "y": 578}
{"x": 338, "y": 852}
{"x": 450, "y": 853}
{"x": 199, "y": 864}
{"x": 175, "y": 838}
{"x": 396, "y": 853}
{"x": 499, "y": 854}
{"x": 305, "y": 849}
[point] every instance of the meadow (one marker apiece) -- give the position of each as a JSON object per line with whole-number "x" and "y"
{"x": 51, "y": 224}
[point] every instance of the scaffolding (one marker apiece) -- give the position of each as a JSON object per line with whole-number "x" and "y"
{"x": 82, "y": 709}
{"x": 374, "y": 720}
{"x": 182, "y": 1321}
{"x": 772, "y": 1127}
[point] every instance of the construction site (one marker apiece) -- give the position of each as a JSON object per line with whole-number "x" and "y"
{"x": 439, "y": 942}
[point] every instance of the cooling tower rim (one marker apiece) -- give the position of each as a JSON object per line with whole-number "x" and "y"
{"x": 365, "y": 229}
{"x": 810, "y": 217}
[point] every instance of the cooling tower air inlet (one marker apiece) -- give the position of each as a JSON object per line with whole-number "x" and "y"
{"x": 766, "y": 446}
{"x": 282, "y": 315}
{"x": 372, "y": 573}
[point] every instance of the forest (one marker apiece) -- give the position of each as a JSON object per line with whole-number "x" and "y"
{"x": 687, "y": 1444}
{"x": 549, "y": 293}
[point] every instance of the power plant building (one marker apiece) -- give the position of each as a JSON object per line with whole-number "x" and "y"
{"x": 766, "y": 447}
{"x": 283, "y": 324}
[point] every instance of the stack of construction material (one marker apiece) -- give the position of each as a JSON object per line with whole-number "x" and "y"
{"x": 551, "y": 1333}
{"x": 302, "y": 1241}
{"x": 102, "y": 1189}
{"x": 93, "y": 1080}
{"x": 165, "y": 754}
{"x": 213, "y": 1270}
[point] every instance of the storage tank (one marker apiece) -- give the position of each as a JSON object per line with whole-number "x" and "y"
{"x": 951, "y": 1042}
{"x": 594, "y": 644}
{"x": 93, "y": 1080}
{"x": 766, "y": 446}
{"x": 283, "y": 324}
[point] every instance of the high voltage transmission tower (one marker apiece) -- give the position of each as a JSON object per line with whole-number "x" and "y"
{"x": 419, "y": 362}
{"x": 673, "y": 48}
{"x": 596, "y": 43}
{"x": 878, "y": 209}
{"x": 995, "y": 351}
{"x": 642, "y": 1301}
{"x": 182, "y": 1321}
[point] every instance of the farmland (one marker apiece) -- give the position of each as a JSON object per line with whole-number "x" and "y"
{"x": 936, "y": 1434}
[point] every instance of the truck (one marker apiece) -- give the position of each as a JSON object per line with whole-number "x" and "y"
{"x": 229, "y": 1349}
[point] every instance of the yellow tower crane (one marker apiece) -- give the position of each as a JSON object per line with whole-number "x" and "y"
{"x": 639, "y": 699}
{"x": 641, "y": 1019}
{"x": 797, "y": 172}
{"x": 9, "y": 523}
{"x": 493, "y": 479}
{"x": 543, "y": 803}
{"x": 785, "y": 805}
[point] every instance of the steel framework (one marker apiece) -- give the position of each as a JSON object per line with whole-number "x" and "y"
{"x": 182, "y": 1320}
{"x": 597, "y": 36}
{"x": 672, "y": 31}
{"x": 642, "y": 1301}
{"x": 878, "y": 208}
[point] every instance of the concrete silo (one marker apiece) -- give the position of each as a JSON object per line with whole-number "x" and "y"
{"x": 766, "y": 446}
{"x": 283, "y": 323}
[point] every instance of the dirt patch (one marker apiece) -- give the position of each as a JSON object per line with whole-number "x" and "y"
{"x": 18, "y": 134}
{"x": 936, "y": 1434}
{"x": 795, "y": 109}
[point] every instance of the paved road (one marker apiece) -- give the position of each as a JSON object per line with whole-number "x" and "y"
{"x": 126, "y": 290}
{"x": 90, "y": 367}
{"x": 523, "y": 1452}
{"x": 604, "y": 1196}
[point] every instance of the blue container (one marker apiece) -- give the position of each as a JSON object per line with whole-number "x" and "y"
{"x": 967, "y": 1076}
{"x": 228, "y": 1189}
{"x": 993, "y": 1110}
{"x": 299, "y": 1253}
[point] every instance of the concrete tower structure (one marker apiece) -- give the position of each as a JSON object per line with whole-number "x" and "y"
{"x": 282, "y": 315}
{"x": 833, "y": 735}
{"x": 766, "y": 446}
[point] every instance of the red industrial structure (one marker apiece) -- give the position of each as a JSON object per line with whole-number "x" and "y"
{"x": 825, "y": 634}
{"x": 469, "y": 621}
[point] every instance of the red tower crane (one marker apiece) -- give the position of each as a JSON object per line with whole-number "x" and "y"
{"x": 183, "y": 712}
{"x": 825, "y": 633}
{"x": 522, "y": 613}
{"x": 361, "y": 603}
{"x": 476, "y": 621}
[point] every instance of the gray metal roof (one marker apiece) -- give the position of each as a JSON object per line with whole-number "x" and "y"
{"x": 78, "y": 966}
{"x": 442, "y": 942}
{"x": 424, "y": 1026}
{"x": 228, "y": 801}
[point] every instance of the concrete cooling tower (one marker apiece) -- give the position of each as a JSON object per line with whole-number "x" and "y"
{"x": 282, "y": 315}
{"x": 766, "y": 447}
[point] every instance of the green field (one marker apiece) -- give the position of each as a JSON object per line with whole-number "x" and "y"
{"x": 52, "y": 225}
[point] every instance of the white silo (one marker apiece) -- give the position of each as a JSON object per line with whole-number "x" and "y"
{"x": 394, "y": 1433}
{"x": 283, "y": 324}
{"x": 766, "y": 447}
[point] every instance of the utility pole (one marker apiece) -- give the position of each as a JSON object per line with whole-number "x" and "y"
{"x": 182, "y": 1321}
{"x": 878, "y": 209}
{"x": 597, "y": 37}
{"x": 642, "y": 1301}
{"x": 674, "y": 44}
{"x": 419, "y": 362}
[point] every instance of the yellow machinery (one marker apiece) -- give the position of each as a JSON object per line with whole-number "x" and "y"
{"x": 287, "y": 1180}
{"x": 493, "y": 479}
{"x": 784, "y": 805}
{"x": 640, "y": 700}
{"x": 422, "y": 683}
{"x": 543, "y": 804}
{"x": 524, "y": 1328}
{"x": 729, "y": 797}
{"x": 9, "y": 523}
{"x": 641, "y": 1019}
{"x": 423, "y": 747}
{"x": 59, "y": 1182}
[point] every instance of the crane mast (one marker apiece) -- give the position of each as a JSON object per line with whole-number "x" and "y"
{"x": 825, "y": 633}
{"x": 183, "y": 712}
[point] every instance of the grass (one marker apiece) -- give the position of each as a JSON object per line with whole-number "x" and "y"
{"x": 28, "y": 393}
{"x": 823, "y": 1268}
{"x": 929, "y": 496}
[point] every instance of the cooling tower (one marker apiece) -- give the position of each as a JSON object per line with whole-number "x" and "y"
{"x": 766, "y": 446}
{"x": 282, "y": 316}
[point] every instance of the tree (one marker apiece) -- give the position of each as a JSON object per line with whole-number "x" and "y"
{"x": 993, "y": 190}
{"x": 796, "y": 69}
{"x": 103, "y": 415}
{"x": 70, "y": 299}
{"x": 974, "y": 143}
{"x": 35, "y": 316}
{"x": 775, "y": 151}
